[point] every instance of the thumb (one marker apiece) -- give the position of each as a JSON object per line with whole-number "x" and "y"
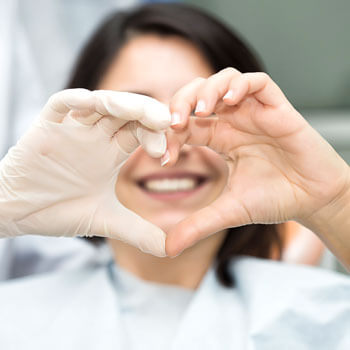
{"x": 223, "y": 213}
{"x": 113, "y": 220}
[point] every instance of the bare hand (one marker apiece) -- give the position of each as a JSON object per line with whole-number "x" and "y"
{"x": 280, "y": 168}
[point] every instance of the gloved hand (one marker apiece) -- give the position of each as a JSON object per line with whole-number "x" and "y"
{"x": 59, "y": 180}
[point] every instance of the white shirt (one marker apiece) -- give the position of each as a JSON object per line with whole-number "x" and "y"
{"x": 273, "y": 306}
{"x": 150, "y": 312}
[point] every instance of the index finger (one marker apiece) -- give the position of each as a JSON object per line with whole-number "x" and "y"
{"x": 62, "y": 102}
{"x": 199, "y": 132}
{"x": 181, "y": 104}
{"x": 130, "y": 106}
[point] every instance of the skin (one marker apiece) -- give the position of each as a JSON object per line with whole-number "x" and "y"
{"x": 296, "y": 175}
{"x": 301, "y": 245}
{"x": 168, "y": 70}
{"x": 158, "y": 67}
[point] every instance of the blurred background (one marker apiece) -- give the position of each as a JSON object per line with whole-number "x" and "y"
{"x": 304, "y": 44}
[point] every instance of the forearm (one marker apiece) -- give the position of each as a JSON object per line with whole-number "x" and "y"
{"x": 332, "y": 224}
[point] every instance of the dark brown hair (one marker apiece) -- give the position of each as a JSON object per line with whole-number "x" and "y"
{"x": 222, "y": 48}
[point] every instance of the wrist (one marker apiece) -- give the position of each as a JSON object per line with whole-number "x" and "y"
{"x": 8, "y": 204}
{"x": 332, "y": 224}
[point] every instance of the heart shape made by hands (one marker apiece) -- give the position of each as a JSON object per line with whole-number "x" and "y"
{"x": 59, "y": 180}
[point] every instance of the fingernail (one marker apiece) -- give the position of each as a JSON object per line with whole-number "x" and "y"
{"x": 200, "y": 106}
{"x": 175, "y": 118}
{"x": 229, "y": 94}
{"x": 165, "y": 158}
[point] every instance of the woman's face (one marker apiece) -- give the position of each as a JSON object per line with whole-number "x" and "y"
{"x": 158, "y": 66}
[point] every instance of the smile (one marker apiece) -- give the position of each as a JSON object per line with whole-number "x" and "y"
{"x": 175, "y": 184}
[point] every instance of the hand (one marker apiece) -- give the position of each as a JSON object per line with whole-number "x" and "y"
{"x": 280, "y": 168}
{"x": 59, "y": 180}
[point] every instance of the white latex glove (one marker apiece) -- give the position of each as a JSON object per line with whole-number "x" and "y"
{"x": 59, "y": 180}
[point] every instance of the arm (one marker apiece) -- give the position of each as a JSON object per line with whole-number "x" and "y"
{"x": 332, "y": 224}
{"x": 300, "y": 245}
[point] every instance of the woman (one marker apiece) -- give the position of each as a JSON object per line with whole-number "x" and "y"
{"x": 157, "y": 51}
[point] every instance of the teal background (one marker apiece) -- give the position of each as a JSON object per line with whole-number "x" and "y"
{"x": 305, "y": 46}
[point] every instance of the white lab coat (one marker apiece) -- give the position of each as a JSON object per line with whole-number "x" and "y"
{"x": 273, "y": 306}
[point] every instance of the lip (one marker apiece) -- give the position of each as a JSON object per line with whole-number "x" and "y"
{"x": 171, "y": 175}
{"x": 172, "y": 196}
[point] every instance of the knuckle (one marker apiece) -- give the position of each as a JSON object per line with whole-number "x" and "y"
{"x": 264, "y": 76}
{"x": 185, "y": 95}
{"x": 56, "y": 96}
{"x": 223, "y": 76}
{"x": 210, "y": 83}
{"x": 229, "y": 70}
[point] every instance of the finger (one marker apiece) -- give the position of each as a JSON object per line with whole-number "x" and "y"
{"x": 133, "y": 134}
{"x": 126, "y": 137}
{"x": 212, "y": 91}
{"x": 265, "y": 90}
{"x": 116, "y": 221}
{"x": 223, "y": 213}
{"x": 138, "y": 232}
{"x": 153, "y": 142}
{"x": 183, "y": 103}
{"x": 110, "y": 124}
{"x": 128, "y": 106}
{"x": 62, "y": 102}
{"x": 199, "y": 132}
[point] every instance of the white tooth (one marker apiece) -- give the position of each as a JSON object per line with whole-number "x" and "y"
{"x": 170, "y": 185}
